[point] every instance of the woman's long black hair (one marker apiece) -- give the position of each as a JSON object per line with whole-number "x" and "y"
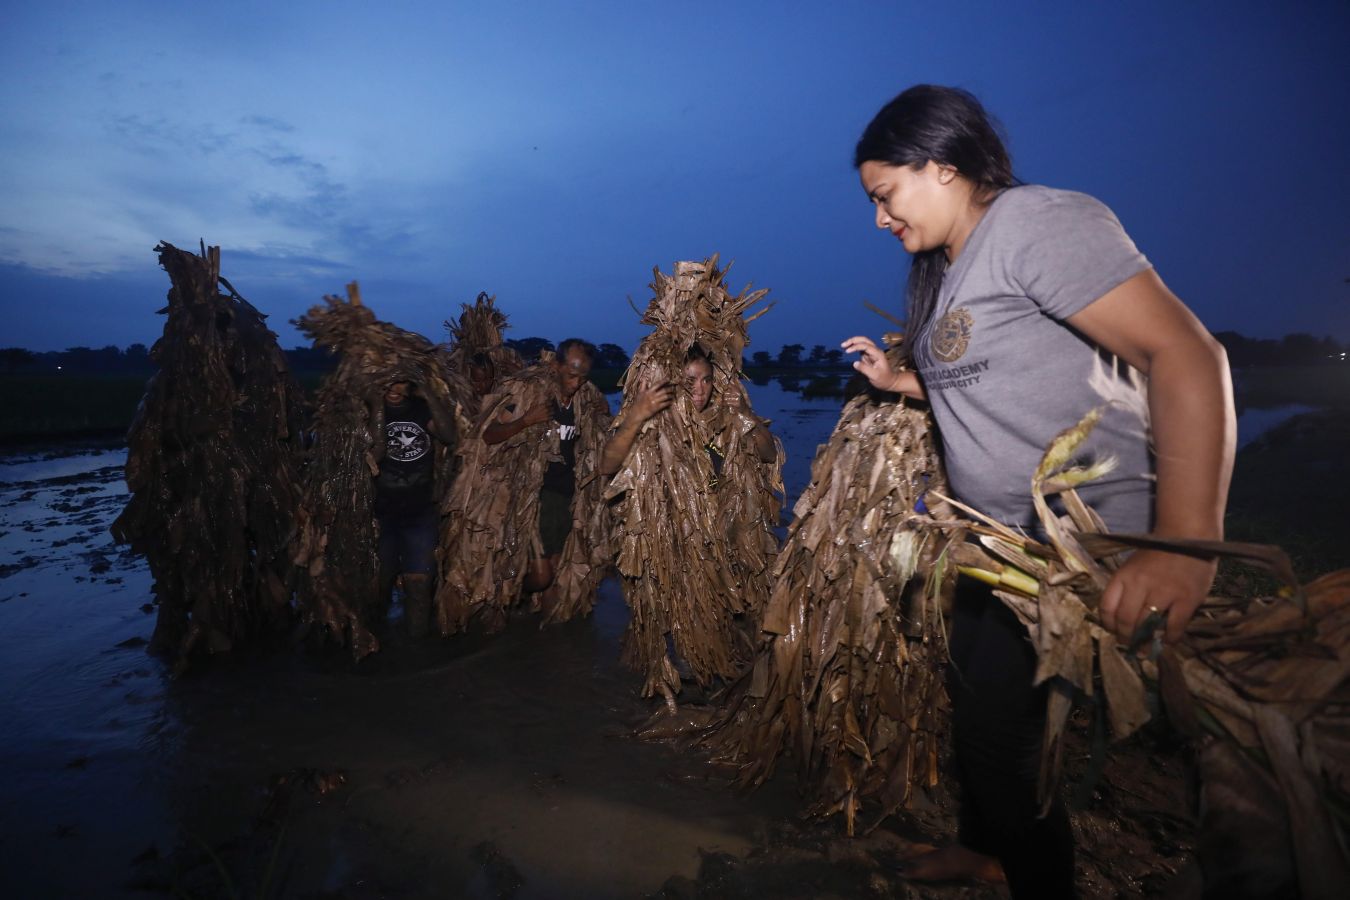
{"x": 949, "y": 127}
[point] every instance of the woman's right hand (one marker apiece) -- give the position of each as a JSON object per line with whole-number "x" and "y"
{"x": 651, "y": 400}
{"x": 872, "y": 362}
{"x": 876, "y": 368}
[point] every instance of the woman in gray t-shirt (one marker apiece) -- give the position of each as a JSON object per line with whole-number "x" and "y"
{"x": 1021, "y": 300}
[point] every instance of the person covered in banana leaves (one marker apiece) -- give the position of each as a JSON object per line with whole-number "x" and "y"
{"x": 477, "y": 359}
{"x": 529, "y": 498}
{"x": 415, "y": 430}
{"x": 1022, "y": 299}
{"x": 380, "y": 463}
{"x": 696, "y": 482}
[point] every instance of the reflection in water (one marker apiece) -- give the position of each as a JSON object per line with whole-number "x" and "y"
{"x": 1253, "y": 422}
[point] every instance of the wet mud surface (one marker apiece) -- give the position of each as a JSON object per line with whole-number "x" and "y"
{"x": 480, "y": 766}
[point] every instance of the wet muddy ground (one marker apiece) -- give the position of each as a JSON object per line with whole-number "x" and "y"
{"x": 473, "y": 767}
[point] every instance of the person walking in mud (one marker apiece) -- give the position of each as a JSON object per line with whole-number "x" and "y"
{"x": 691, "y": 596}
{"x": 571, "y": 368}
{"x": 1015, "y": 292}
{"x": 405, "y": 501}
{"x": 696, "y": 487}
{"x": 530, "y": 496}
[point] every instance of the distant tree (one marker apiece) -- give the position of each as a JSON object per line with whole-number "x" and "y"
{"x": 1292, "y": 349}
{"x": 1300, "y": 348}
{"x": 817, "y": 356}
{"x": 790, "y": 355}
{"x": 136, "y": 358}
{"x": 761, "y": 359}
{"x": 85, "y": 359}
{"x": 14, "y": 358}
{"x": 610, "y": 356}
{"x": 834, "y": 357}
{"x": 529, "y": 347}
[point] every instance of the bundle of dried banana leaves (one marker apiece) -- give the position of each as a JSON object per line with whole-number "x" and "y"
{"x": 212, "y": 463}
{"x": 336, "y": 546}
{"x": 848, "y": 677}
{"x": 1263, "y": 685}
{"x": 479, "y": 330}
{"x": 696, "y": 546}
{"x": 493, "y": 508}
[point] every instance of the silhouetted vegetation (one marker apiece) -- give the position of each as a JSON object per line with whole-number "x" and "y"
{"x": 87, "y": 391}
{"x": 1290, "y": 350}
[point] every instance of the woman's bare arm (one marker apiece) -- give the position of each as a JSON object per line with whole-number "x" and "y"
{"x": 1194, "y": 435}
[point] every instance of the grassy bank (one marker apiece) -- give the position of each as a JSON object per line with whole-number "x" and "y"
{"x": 67, "y": 405}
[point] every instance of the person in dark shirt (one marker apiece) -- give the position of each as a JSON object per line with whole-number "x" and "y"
{"x": 572, "y": 367}
{"x": 405, "y": 500}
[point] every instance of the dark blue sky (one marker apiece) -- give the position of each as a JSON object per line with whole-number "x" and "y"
{"x": 553, "y": 153}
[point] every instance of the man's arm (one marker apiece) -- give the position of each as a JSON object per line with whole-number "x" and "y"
{"x": 507, "y": 427}
{"x": 442, "y": 424}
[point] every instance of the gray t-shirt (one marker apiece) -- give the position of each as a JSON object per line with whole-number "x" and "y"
{"x": 1005, "y": 373}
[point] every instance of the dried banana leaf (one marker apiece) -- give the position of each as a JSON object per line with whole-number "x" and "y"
{"x": 695, "y": 546}
{"x": 493, "y": 509}
{"x": 1268, "y": 678}
{"x": 212, "y": 466}
{"x": 848, "y": 677}
{"x": 336, "y": 545}
{"x": 479, "y": 330}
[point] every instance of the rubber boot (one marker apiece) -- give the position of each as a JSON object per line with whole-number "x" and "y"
{"x": 417, "y": 604}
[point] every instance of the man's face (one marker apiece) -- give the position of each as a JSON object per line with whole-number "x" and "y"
{"x": 572, "y": 371}
{"x": 397, "y": 393}
{"x": 480, "y": 379}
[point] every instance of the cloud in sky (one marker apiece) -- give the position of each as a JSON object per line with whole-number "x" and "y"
{"x": 553, "y": 153}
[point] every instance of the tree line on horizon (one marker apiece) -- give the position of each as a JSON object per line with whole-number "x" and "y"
{"x": 1292, "y": 349}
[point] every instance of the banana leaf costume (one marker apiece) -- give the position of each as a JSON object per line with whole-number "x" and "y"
{"x": 848, "y": 676}
{"x": 696, "y": 545}
{"x": 337, "y": 544}
{"x": 213, "y": 459}
{"x": 479, "y": 330}
{"x": 494, "y": 508}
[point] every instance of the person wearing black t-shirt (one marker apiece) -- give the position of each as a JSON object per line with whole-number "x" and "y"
{"x": 405, "y": 501}
{"x": 572, "y": 366}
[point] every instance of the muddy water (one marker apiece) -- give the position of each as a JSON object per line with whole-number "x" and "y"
{"x": 474, "y": 767}
{"x": 468, "y": 767}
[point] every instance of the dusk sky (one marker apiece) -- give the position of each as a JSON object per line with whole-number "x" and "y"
{"x": 553, "y": 153}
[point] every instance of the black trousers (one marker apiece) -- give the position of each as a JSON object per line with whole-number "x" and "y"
{"x": 998, "y": 722}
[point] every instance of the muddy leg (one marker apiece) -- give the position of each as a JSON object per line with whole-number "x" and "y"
{"x": 377, "y": 610}
{"x": 417, "y": 604}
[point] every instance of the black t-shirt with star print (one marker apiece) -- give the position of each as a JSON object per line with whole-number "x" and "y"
{"x": 407, "y": 471}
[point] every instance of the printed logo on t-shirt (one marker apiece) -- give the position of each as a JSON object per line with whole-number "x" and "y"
{"x": 951, "y": 335}
{"x": 567, "y": 432}
{"x": 407, "y": 441}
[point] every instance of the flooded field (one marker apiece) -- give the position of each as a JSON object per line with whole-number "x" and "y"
{"x": 472, "y": 767}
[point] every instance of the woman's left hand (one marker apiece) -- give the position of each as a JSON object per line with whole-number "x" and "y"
{"x": 1172, "y": 584}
